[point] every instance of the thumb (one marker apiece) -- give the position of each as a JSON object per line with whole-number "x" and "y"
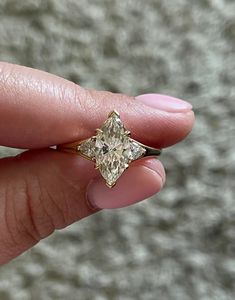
{"x": 44, "y": 190}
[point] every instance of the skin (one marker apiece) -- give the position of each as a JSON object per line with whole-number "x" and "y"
{"x": 42, "y": 189}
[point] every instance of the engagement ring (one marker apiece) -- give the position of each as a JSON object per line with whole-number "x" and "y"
{"x": 112, "y": 149}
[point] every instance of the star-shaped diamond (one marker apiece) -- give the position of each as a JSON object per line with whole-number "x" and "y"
{"x": 112, "y": 149}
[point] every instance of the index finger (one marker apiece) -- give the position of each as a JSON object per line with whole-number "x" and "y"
{"x": 38, "y": 109}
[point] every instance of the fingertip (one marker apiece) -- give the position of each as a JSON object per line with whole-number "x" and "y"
{"x": 179, "y": 127}
{"x": 139, "y": 182}
{"x": 155, "y": 165}
{"x": 187, "y": 124}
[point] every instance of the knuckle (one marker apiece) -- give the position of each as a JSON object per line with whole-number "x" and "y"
{"x": 84, "y": 100}
{"x": 16, "y": 220}
{"x": 25, "y": 217}
{"x": 40, "y": 222}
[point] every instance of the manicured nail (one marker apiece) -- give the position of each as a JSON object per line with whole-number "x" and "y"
{"x": 163, "y": 102}
{"x": 136, "y": 183}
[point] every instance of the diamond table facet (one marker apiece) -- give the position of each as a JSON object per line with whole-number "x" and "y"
{"x": 112, "y": 149}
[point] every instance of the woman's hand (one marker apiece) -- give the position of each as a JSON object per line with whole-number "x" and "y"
{"x": 42, "y": 189}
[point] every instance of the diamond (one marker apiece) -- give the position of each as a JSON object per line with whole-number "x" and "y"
{"x": 87, "y": 148}
{"x": 136, "y": 150}
{"x": 112, "y": 149}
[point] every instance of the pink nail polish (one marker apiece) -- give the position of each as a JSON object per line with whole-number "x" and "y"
{"x": 165, "y": 103}
{"x": 137, "y": 183}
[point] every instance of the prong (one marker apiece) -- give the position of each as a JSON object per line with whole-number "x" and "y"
{"x": 110, "y": 185}
{"x": 114, "y": 112}
{"x": 127, "y": 132}
{"x": 98, "y": 130}
{"x": 126, "y": 166}
{"x": 96, "y": 166}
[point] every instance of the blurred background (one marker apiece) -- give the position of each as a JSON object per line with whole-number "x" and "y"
{"x": 181, "y": 243}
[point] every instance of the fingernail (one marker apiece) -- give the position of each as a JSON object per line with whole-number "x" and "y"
{"x": 136, "y": 183}
{"x": 165, "y": 103}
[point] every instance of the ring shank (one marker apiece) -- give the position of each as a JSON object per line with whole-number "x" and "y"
{"x": 152, "y": 151}
{"x": 70, "y": 148}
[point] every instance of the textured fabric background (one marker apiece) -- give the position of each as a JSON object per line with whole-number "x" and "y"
{"x": 180, "y": 245}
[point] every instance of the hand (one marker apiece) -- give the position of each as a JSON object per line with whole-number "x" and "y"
{"x": 42, "y": 189}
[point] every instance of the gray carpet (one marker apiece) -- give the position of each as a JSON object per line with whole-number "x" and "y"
{"x": 180, "y": 245}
